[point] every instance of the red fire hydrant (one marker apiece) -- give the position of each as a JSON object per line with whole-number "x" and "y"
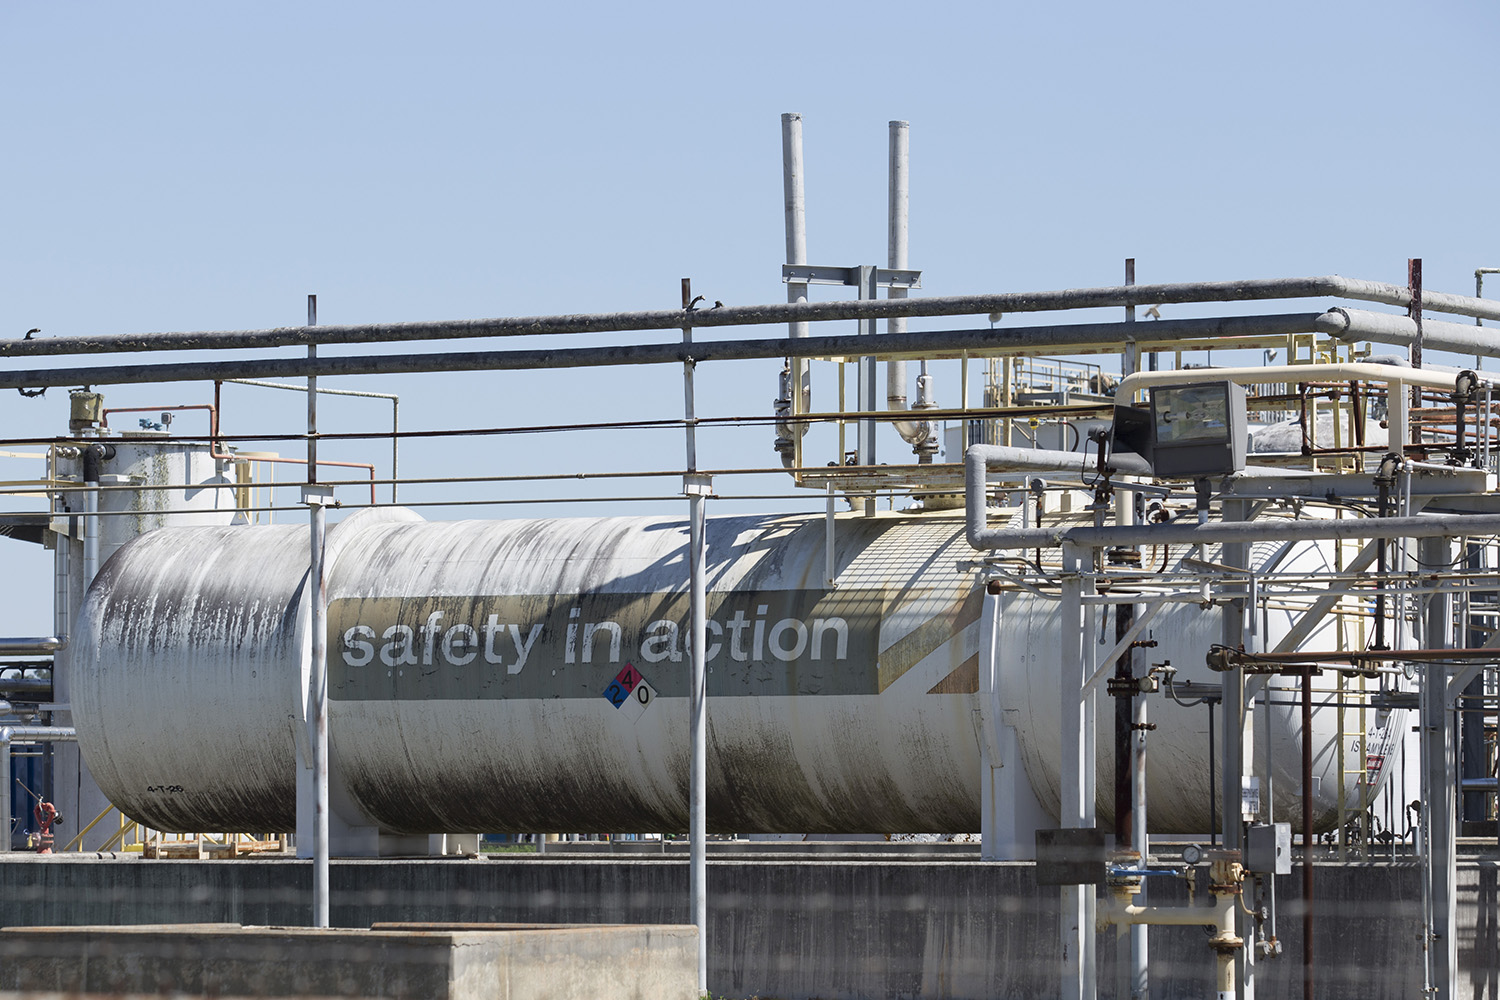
{"x": 46, "y": 816}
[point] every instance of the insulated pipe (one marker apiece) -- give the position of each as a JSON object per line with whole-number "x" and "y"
{"x": 998, "y": 457}
{"x": 942, "y": 343}
{"x": 1388, "y": 328}
{"x": 914, "y": 432}
{"x": 897, "y": 243}
{"x": 937, "y": 343}
{"x": 796, "y": 212}
{"x": 797, "y": 394}
{"x": 665, "y": 319}
{"x": 33, "y": 734}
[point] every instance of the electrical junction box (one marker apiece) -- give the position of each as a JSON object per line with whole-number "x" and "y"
{"x": 1198, "y": 429}
{"x": 1268, "y": 848}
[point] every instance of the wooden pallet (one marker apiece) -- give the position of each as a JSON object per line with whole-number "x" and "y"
{"x": 204, "y": 847}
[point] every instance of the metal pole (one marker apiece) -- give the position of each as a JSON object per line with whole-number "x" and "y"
{"x": 319, "y": 667}
{"x": 698, "y": 700}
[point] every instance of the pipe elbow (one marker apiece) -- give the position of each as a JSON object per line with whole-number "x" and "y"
{"x": 975, "y": 467}
{"x": 1335, "y": 322}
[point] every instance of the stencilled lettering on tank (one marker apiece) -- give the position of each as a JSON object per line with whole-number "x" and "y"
{"x": 764, "y": 643}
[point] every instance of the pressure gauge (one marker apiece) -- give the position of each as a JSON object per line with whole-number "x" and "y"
{"x": 1192, "y": 854}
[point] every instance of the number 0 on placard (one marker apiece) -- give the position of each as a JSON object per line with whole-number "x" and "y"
{"x": 630, "y": 692}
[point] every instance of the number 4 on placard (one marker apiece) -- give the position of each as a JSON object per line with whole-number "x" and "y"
{"x": 629, "y": 692}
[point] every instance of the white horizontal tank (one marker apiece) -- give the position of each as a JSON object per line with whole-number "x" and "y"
{"x": 489, "y": 676}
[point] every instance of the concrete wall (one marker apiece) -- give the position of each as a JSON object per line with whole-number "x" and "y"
{"x": 796, "y": 928}
{"x": 554, "y": 963}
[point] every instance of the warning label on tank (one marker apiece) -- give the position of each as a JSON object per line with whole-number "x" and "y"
{"x": 791, "y": 642}
{"x": 630, "y": 693}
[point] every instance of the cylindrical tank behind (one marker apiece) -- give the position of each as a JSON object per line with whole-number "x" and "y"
{"x": 489, "y": 676}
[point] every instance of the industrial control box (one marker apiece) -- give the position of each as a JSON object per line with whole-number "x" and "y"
{"x": 1268, "y": 848}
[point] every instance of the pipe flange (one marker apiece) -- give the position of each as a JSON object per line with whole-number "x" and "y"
{"x": 1226, "y": 943}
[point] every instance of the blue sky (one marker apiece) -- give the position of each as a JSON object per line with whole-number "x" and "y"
{"x": 180, "y": 166}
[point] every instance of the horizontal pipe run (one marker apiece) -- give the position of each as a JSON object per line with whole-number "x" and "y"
{"x": 1349, "y": 371}
{"x": 37, "y": 734}
{"x": 26, "y": 685}
{"x": 932, "y": 344}
{"x": 1167, "y": 916}
{"x": 32, "y": 646}
{"x": 769, "y": 314}
{"x": 1005, "y": 458}
{"x": 1368, "y": 655}
{"x": 980, "y": 536}
{"x": 322, "y": 391}
{"x": 1387, "y": 328}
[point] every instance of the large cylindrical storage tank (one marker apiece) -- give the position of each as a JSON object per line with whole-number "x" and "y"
{"x": 489, "y": 676}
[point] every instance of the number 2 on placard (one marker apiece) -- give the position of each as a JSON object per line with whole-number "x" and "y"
{"x": 616, "y": 694}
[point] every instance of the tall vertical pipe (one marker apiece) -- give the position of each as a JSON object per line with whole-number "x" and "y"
{"x": 90, "y": 525}
{"x": 5, "y": 803}
{"x": 698, "y": 702}
{"x": 1307, "y": 837}
{"x": 1238, "y": 728}
{"x": 899, "y": 192}
{"x": 1140, "y": 842}
{"x": 865, "y": 436}
{"x": 1140, "y": 948}
{"x": 1439, "y": 796}
{"x": 1075, "y": 807}
{"x": 1125, "y": 817}
{"x": 1414, "y": 310}
{"x": 795, "y": 197}
{"x": 319, "y": 668}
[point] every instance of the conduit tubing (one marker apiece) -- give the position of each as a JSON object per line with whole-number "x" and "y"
{"x": 933, "y": 344}
{"x": 770, "y": 314}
